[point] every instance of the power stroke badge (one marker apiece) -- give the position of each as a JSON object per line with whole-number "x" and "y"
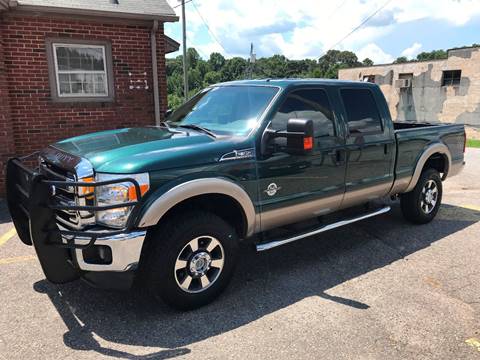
{"x": 272, "y": 189}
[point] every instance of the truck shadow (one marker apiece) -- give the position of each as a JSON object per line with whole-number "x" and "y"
{"x": 109, "y": 322}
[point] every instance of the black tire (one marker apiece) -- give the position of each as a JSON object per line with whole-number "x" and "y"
{"x": 415, "y": 207}
{"x": 170, "y": 239}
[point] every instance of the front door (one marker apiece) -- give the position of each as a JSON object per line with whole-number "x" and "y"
{"x": 298, "y": 187}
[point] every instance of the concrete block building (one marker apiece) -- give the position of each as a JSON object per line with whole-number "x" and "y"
{"x": 434, "y": 91}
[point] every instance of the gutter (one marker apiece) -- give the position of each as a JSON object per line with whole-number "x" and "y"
{"x": 156, "y": 92}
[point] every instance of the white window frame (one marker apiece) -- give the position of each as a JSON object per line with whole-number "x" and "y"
{"x": 55, "y": 46}
{"x": 53, "y": 75}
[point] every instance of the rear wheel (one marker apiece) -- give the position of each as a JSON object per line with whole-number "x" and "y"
{"x": 191, "y": 259}
{"x": 421, "y": 205}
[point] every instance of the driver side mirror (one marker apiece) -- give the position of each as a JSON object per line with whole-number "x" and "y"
{"x": 168, "y": 113}
{"x": 299, "y": 135}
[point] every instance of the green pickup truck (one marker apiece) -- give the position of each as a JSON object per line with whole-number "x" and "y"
{"x": 265, "y": 161}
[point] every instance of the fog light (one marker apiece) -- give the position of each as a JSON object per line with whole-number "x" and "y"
{"x": 97, "y": 255}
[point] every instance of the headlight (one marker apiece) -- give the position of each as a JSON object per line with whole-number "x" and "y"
{"x": 116, "y": 194}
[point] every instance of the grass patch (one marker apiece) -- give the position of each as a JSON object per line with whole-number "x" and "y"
{"x": 473, "y": 143}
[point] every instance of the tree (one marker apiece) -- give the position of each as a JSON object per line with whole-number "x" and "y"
{"x": 432, "y": 55}
{"x": 334, "y": 60}
{"x": 212, "y": 77}
{"x": 367, "y": 62}
{"x": 234, "y": 69}
{"x": 401, "y": 60}
{"x": 192, "y": 57}
{"x": 216, "y": 61}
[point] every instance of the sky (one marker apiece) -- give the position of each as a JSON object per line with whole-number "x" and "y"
{"x": 302, "y": 29}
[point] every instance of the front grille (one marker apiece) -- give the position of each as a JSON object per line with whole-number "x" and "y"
{"x": 69, "y": 196}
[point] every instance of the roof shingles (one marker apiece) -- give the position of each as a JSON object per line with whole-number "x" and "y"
{"x": 128, "y": 8}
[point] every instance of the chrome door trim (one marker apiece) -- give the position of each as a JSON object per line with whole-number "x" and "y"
{"x": 295, "y": 213}
{"x": 365, "y": 195}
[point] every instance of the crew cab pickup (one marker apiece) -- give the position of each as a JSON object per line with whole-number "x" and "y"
{"x": 268, "y": 161}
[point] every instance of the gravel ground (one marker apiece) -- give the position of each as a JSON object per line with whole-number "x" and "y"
{"x": 380, "y": 289}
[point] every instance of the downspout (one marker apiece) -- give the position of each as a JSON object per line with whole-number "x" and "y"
{"x": 156, "y": 92}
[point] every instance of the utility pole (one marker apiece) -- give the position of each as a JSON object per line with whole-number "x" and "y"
{"x": 185, "y": 71}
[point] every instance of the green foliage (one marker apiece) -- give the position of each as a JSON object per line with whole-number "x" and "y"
{"x": 401, "y": 60}
{"x": 432, "y": 55}
{"x": 367, "y": 62}
{"x": 473, "y": 143}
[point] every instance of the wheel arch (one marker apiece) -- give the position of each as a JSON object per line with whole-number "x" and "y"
{"x": 233, "y": 201}
{"x": 436, "y": 156}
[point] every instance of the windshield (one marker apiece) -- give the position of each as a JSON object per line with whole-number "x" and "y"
{"x": 225, "y": 110}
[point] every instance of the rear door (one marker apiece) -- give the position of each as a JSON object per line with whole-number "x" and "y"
{"x": 297, "y": 187}
{"x": 370, "y": 146}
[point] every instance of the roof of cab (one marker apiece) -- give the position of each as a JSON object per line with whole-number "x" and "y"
{"x": 285, "y": 83}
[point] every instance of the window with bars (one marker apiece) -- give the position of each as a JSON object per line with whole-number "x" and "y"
{"x": 451, "y": 77}
{"x": 80, "y": 71}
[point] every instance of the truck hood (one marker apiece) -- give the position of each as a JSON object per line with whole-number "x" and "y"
{"x": 137, "y": 150}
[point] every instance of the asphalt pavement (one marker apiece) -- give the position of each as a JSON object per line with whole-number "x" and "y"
{"x": 379, "y": 289}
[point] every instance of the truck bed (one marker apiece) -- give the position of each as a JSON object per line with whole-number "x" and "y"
{"x": 414, "y": 138}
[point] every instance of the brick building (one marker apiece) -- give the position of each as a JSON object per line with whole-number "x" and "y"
{"x": 436, "y": 91}
{"x": 69, "y": 67}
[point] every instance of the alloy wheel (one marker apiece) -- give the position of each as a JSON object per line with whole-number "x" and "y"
{"x": 199, "y": 264}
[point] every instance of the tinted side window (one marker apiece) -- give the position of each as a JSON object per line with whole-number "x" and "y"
{"x": 362, "y": 112}
{"x": 307, "y": 104}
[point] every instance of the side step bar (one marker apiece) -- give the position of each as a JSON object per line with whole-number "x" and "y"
{"x": 275, "y": 243}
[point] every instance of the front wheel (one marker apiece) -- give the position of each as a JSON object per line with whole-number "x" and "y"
{"x": 421, "y": 204}
{"x": 191, "y": 259}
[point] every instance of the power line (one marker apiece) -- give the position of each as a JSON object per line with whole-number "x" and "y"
{"x": 214, "y": 37}
{"x": 186, "y": 2}
{"x": 362, "y": 23}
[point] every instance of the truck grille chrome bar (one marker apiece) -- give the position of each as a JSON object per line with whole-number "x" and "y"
{"x": 37, "y": 207}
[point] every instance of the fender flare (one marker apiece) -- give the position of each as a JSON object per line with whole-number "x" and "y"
{"x": 437, "y": 148}
{"x": 197, "y": 187}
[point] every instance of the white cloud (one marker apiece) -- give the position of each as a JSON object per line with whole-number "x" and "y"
{"x": 375, "y": 53}
{"x": 412, "y": 51}
{"x": 307, "y": 28}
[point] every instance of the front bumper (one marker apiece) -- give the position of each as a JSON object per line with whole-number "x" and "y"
{"x": 33, "y": 205}
{"x": 125, "y": 249}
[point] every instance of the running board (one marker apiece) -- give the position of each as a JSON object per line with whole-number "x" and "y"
{"x": 275, "y": 243}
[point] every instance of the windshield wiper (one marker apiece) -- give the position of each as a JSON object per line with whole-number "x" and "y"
{"x": 198, "y": 128}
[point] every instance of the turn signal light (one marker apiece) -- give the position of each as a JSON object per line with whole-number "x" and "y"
{"x": 86, "y": 190}
{"x": 132, "y": 193}
{"x": 308, "y": 143}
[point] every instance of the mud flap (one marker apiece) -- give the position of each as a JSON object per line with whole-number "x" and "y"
{"x": 27, "y": 198}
